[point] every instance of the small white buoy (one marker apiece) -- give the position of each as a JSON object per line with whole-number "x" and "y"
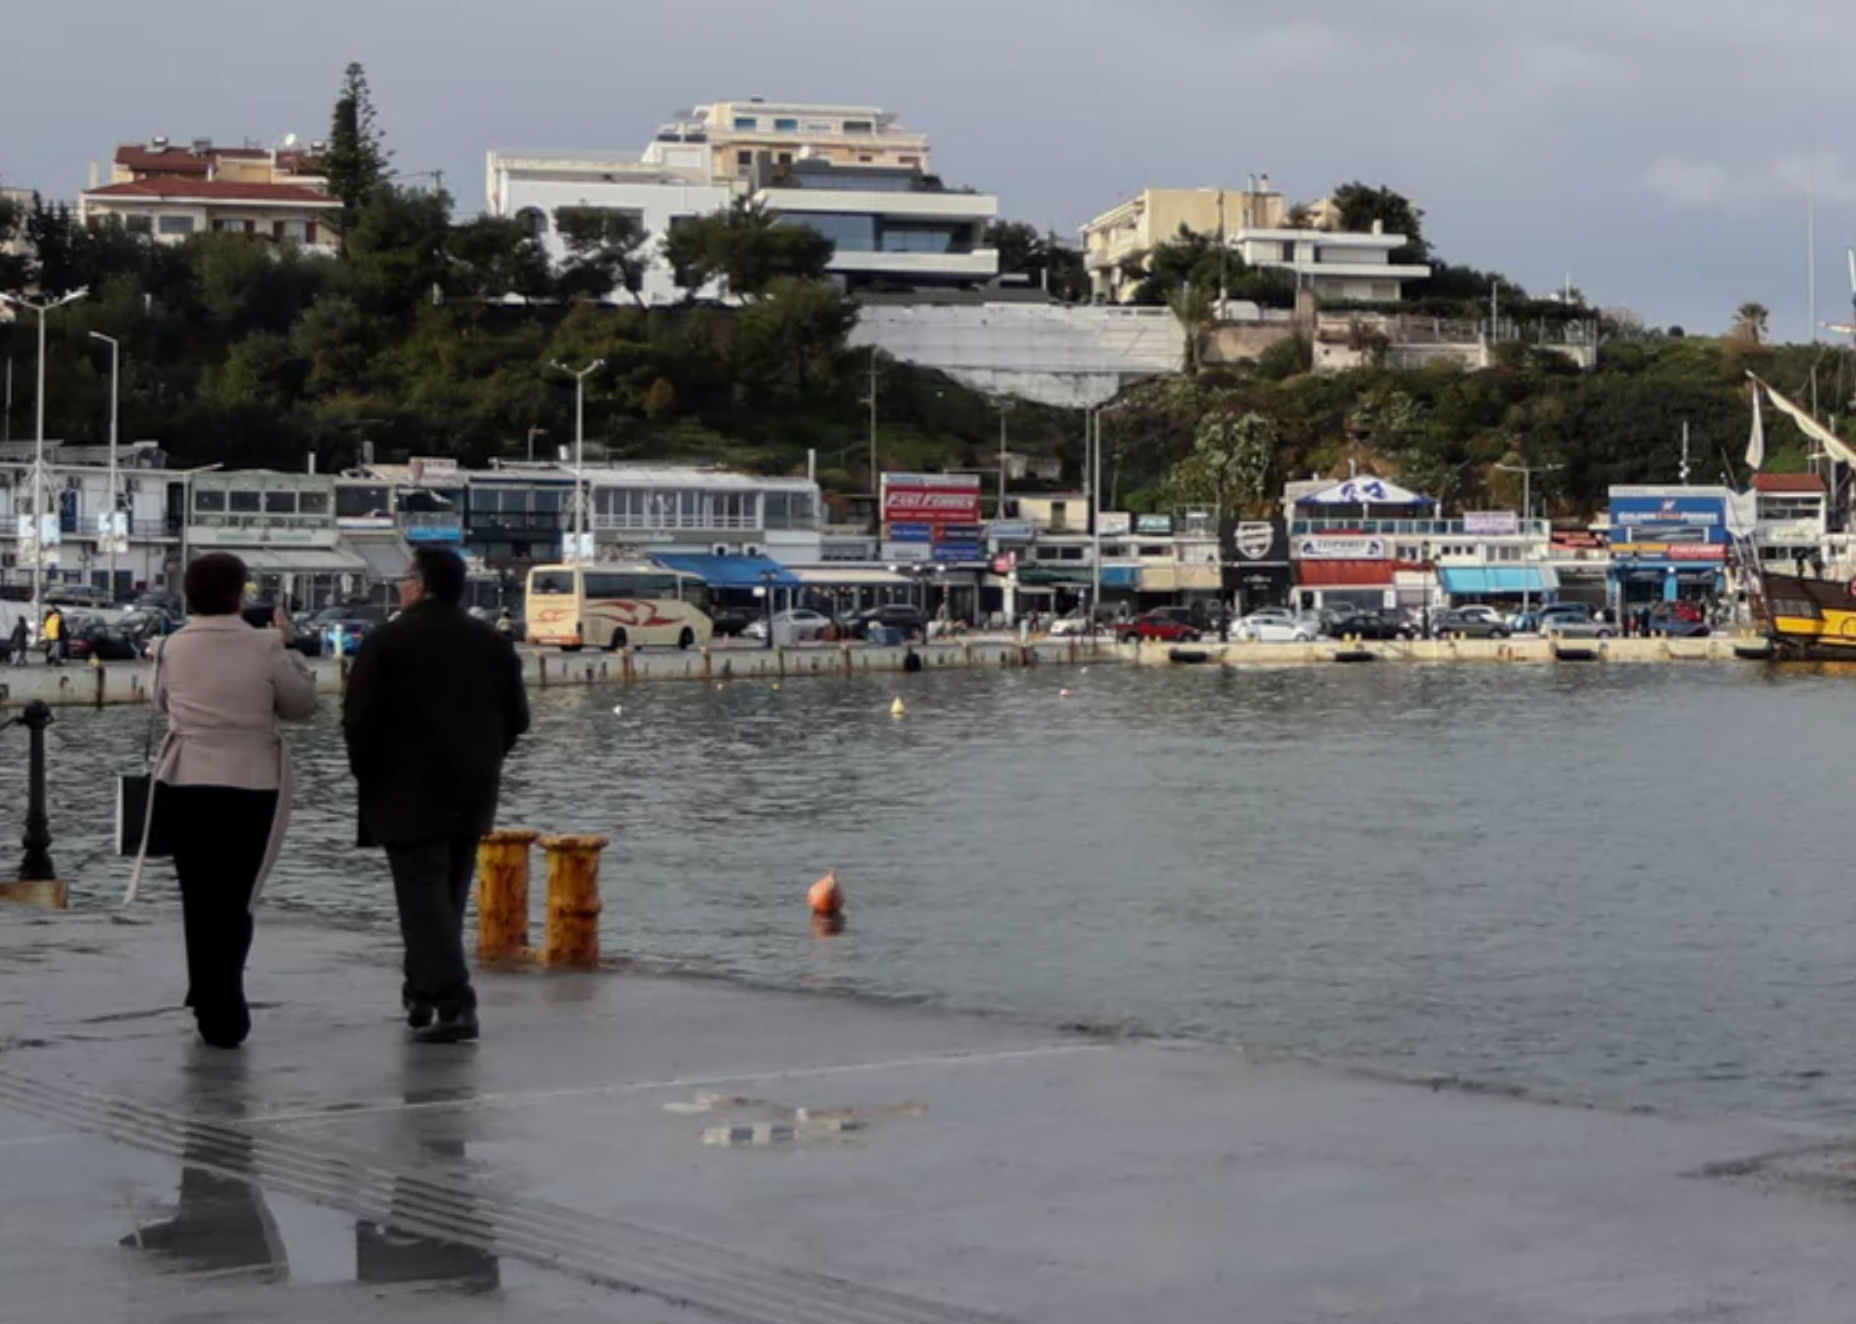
{"x": 1063, "y": 694}
{"x": 776, "y": 687}
{"x": 618, "y": 710}
{"x": 898, "y": 709}
{"x": 1083, "y": 672}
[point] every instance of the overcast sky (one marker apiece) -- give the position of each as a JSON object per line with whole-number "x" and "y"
{"x": 1656, "y": 150}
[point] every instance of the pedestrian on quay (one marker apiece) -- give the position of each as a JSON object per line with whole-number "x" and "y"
{"x": 21, "y": 640}
{"x": 434, "y": 705}
{"x": 51, "y": 635}
{"x": 222, "y": 779}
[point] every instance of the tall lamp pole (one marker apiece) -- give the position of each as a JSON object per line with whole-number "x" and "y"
{"x": 1527, "y": 472}
{"x": 113, "y": 501}
{"x": 580, "y": 375}
{"x": 38, "y": 450}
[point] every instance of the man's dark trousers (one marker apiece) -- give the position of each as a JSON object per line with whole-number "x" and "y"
{"x": 431, "y": 882}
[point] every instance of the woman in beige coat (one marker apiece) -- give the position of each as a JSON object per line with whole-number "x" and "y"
{"x": 222, "y": 779}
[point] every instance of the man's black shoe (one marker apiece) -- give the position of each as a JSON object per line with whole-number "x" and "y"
{"x": 453, "y": 1029}
{"x": 418, "y": 1014}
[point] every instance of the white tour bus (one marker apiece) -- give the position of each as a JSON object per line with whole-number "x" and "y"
{"x": 616, "y": 605}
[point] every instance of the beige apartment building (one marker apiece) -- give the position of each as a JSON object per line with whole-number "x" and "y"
{"x": 723, "y": 137}
{"x": 1253, "y": 222}
{"x": 169, "y": 192}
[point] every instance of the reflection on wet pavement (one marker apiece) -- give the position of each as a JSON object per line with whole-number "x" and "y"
{"x": 221, "y": 1223}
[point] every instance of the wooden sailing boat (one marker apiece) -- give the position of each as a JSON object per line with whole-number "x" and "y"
{"x": 1805, "y": 615}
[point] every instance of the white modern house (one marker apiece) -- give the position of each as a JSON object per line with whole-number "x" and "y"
{"x": 851, "y": 172}
{"x": 890, "y": 224}
{"x": 1336, "y": 265}
{"x": 533, "y": 185}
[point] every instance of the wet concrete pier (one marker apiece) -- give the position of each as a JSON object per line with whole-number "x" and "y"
{"x": 628, "y": 1147}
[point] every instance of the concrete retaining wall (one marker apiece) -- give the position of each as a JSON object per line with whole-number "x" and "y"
{"x": 1718, "y": 649}
{"x": 122, "y": 683}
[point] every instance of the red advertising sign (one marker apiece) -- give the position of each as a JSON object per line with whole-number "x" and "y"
{"x": 935, "y": 499}
{"x": 1697, "y": 551}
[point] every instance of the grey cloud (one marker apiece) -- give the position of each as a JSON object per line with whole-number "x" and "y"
{"x": 1651, "y": 148}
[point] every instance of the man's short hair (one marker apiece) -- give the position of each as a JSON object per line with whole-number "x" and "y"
{"x": 214, "y": 584}
{"x": 441, "y": 572}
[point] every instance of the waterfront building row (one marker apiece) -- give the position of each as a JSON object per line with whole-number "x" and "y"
{"x": 1363, "y": 541}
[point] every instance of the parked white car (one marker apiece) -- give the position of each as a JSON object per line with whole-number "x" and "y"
{"x": 1274, "y": 625}
{"x": 801, "y": 625}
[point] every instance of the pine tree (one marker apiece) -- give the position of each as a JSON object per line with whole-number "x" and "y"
{"x": 356, "y": 162}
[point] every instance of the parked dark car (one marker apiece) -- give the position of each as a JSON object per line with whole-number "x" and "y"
{"x": 897, "y": 616}
{"x": 1677, "y": 620}
{"x": 1164, "y": 624}
{"x": 92, "y": 636}
{"x": 730, "y": 621}
{"x": 75, "y": 595}
{"x": 1471, "y": 626}
{"x": 1370, "y": 625}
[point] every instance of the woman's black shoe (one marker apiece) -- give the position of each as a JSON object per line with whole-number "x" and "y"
{"x": 455, "y": 1028}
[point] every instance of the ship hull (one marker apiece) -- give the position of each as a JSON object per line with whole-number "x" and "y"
{"x": 1810, "y": 617}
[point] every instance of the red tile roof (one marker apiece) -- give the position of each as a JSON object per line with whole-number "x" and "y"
{"x": 1798, "y": 483}
{"x": 180, "y": 158}
{"x": 214, "y": 190}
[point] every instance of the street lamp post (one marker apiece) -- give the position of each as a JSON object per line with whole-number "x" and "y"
{"x": 1527, "y": 472}
{"x": 580, "y": 376}
{"x": 38, "y": 451}
{"x": 111, "y": 499}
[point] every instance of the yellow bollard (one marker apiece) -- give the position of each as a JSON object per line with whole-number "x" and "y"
{"x": 502, "y": 892}
{"x": 573, "y": 899}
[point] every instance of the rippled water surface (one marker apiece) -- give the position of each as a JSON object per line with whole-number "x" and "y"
{"x": 1624, "y": 883}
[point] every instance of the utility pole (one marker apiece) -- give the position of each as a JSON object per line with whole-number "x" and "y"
{"x": 111, "y": 500}
{"x": 1095, "y": 531}
{"x": 6, "y": 421}
{"x": 580, "y": 521}
{"x": 532, "y": 434}
{"x": 1003, "y": 407}
{"x": 1682, "y": 473}
{"x": 38, "y": 452}
{"x": 1527, "y": 472}
{"x": 876, "y": 495}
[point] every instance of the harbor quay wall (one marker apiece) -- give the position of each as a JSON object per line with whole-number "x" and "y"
{"x": 128, "y": 682}
{"x": 1715, "y": 648}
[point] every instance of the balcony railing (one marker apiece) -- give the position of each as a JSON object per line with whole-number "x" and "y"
{"x": 1435, "y": 528}
{"x": 675, "y": 520}
{"x": 90, "y": 527}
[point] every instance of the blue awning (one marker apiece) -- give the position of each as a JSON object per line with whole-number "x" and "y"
{"x": 729, "y": 571}
{"x": 1463, "y": 580}
{"x": 1120, "y": 576}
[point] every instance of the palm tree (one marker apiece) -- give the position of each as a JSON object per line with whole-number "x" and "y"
{"x": 1750, "y": 322}
{"x": 1192, "y": 304}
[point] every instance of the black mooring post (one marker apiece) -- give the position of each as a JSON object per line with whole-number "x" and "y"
{"x": 35, "y": 866}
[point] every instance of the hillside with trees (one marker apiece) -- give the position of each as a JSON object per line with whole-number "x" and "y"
{"x": 431, "y": 335}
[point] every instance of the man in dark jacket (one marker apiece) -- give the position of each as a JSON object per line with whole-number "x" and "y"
{"x": 434, "y": 704}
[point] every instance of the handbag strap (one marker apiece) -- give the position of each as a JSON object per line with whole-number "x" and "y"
{"x": 148, "y": 733}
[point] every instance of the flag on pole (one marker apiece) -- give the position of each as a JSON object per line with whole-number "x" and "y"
{"x": 1756, "y": 443}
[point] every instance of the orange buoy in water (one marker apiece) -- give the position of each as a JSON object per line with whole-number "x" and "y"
{"x": 825, "y": 896}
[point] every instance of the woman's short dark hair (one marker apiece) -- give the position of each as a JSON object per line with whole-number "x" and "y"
{"x": 441, "y": 571}
{"x": 214, "y": 584}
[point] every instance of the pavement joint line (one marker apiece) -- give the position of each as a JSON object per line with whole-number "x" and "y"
{"x": 407, "y": 1197}
{"x": 522, "y": 1098}
{"x": 706, "y": 1277}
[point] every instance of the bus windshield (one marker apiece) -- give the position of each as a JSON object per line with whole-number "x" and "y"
{"x": 551, "y": 583}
